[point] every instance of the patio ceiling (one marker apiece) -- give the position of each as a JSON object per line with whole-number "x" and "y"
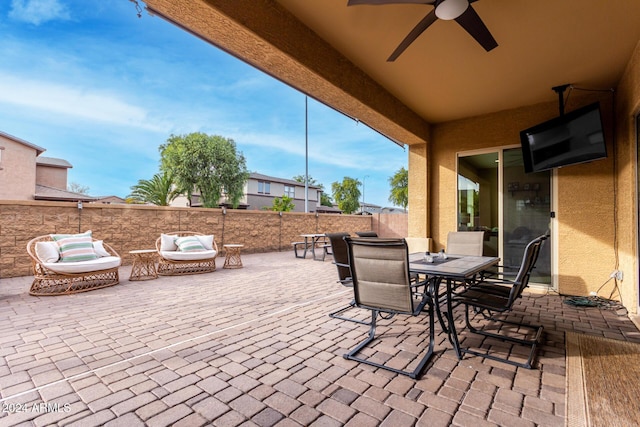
{"x": 446, "y": 75}
{"x": 338, "y": 54}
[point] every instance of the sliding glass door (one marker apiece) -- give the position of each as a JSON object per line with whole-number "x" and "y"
{"x": 511, "y": 207}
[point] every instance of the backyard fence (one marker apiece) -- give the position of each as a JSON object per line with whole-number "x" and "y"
{"x": 130, "y": 227}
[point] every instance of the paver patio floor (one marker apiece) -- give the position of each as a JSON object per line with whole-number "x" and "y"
{"x": 255, "y": 346}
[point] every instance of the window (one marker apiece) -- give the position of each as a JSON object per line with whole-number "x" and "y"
{"x": 264, "y": 187}
{"x": 289, "y": 191}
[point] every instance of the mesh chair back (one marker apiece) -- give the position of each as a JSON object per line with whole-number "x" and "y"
{"x": 380, "y": 273}
{"x": 529, "y": 259}
{"x": 465, "y": 242}
{"x": 340, "y": 256}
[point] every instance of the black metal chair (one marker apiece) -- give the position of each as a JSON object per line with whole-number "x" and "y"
{"x": 498, "y": 295}
{"x": 382, "y": 284}
{"x": 341, "y": 260}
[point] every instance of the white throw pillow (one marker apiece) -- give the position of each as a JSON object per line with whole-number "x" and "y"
{"x": 206, "y": 241}
{"x": 47, "y": 251}
{"x": 168, "y": 243}
{"x": 99, "y": 248}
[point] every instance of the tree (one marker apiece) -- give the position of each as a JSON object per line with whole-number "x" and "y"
{"x": 347, "y": 194}
{"x": 282, "y": 204}
{"x": 159, "y": 190}
{"x": 325, "y": 200}
{"x": 74, "y": 187}
{"x": 207, "y": 164}
{"x": 399, "y": 183}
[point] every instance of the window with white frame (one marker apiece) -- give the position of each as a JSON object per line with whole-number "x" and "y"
{"x": 264, "y": 187}
{"x": 290, "y": 191}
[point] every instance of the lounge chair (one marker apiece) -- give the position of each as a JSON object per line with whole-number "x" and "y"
{"x": 70, "y": 263}
{"x": 186, "y": 252}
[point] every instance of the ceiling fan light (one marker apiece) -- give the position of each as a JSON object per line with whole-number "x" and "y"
{"x": 451, "y": 9}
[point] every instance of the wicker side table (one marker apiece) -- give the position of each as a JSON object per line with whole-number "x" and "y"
{"x": 232, "y": 256}
{"x": 144, "y": 264}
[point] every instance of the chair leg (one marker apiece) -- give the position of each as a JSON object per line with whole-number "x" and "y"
{"x": 417, "y": 372}
{"x": 337, "y": 314}
{"x": 533, "y": 343}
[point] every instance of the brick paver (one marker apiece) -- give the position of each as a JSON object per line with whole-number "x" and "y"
{"x": 255, "y": 346}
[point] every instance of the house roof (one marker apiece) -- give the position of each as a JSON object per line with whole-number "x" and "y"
{"x": 53, "y": 162}
{"x": 261, "y": 177}
{"x": 39, "y": 150}
{"x": 55, "y": 194}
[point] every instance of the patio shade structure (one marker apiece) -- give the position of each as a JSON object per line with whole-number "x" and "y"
{"x": 445, "y": 95}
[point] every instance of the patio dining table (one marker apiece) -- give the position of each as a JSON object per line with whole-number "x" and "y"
{"x": 453, "y": 269}
{"x": 311, "y": 241}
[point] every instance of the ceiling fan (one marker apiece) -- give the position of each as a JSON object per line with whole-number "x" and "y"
{"x": 459, "y": 10}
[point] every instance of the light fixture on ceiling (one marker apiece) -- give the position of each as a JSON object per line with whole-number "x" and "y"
{"x": 451, "y": 9}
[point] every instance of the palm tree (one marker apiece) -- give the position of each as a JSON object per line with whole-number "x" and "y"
{"x": 159, "y": 190}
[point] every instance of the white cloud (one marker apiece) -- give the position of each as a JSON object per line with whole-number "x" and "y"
{"x": 37, "y": 12}
{"x": 76, "y": 102}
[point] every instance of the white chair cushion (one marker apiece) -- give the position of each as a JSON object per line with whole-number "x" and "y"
{"x": 99, "y": 248}
{"x": 188, "y": 256}
{"x": 103, "y": 263}
{"x": 206, "y": 241}
{"x": 47, "y": 251}
{"x": 168, "y": 243}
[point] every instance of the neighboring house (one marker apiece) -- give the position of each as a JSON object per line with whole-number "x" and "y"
{"x": 17, "y": 168}
{"x": 110, "y": 200}
{"x": 260, "y": 191}
{"x": 26, "y": 175}
{"x": 368, "y": 209}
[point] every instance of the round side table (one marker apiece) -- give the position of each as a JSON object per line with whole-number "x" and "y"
{"x": 232, "y": 256}
{"x": 144, "y": 264}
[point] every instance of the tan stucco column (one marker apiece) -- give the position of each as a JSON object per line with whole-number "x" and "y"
{"x": 418, "y": 191}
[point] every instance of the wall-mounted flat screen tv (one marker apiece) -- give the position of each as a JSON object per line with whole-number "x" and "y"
{"x": 575, "y": 137}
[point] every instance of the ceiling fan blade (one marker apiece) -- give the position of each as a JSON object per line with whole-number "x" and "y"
{"x": 472, "y": 23}
{"x": 382, "y": 2}
{"x": 414, "y": 34}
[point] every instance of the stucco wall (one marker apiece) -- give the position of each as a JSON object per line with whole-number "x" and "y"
{"x": 129, "y": 227}
{"x": 628, "y": 107}
{"x": 585, "y": 202}
{"x": 18, "y": 173}
{"x": 51, "y": 176}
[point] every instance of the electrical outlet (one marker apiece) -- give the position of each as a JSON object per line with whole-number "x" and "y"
{"x": 593, "y": 293}
{"x": 619, "y": 275}
{"x": 614, "y": 274}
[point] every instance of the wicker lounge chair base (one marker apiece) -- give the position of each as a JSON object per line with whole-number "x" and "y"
{"x": 174, "y": 268}
{"x": 50, "y": 283}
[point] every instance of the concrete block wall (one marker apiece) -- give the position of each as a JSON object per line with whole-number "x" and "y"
{"x": 129, "y": 227}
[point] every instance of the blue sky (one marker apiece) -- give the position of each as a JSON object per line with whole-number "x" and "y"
{"x": 95, "y": 85}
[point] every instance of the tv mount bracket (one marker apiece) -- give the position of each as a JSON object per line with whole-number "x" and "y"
{"x": 560, "y": 91}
